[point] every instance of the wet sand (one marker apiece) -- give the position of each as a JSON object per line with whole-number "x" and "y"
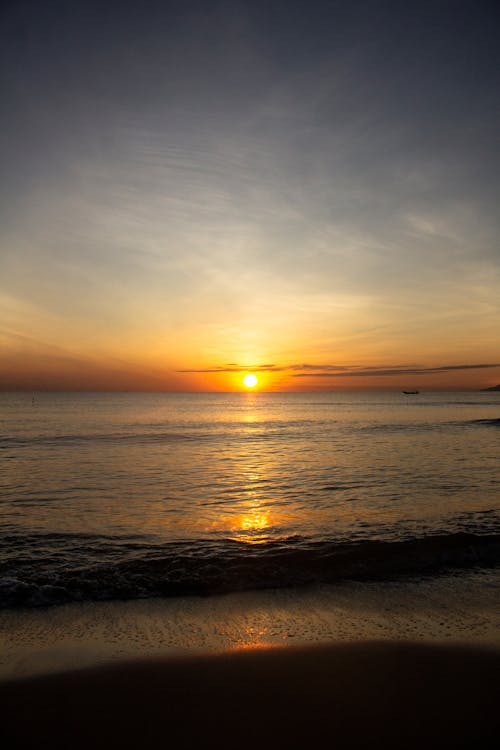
{"x": 370, "y": 694}
{"x": 409, "y": 664}
{"x": 448, "y": 609}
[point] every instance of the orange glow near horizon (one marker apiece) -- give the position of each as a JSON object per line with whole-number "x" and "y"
{"x": 135, "y": 370}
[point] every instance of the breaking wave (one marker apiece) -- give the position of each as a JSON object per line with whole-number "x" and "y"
{"x": 132, "y": 569}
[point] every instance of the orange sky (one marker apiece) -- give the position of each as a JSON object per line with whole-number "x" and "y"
{"x": 186, "y": 197}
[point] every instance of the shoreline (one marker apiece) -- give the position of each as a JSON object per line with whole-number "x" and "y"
{"x": 370, "y": 694}
{"x": 389, "y": 665}
{"x": 461, "y": 609}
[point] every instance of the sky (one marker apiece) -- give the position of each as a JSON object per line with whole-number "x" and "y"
{"x": 192, "y": 191}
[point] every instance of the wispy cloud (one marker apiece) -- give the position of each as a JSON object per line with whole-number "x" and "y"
{"x": 388, "y": 371}
{"x": 339, "y": 371}
{"x": 270, "y": 368}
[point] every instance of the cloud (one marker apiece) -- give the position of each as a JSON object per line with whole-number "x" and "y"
{"x": 340, "y": 371}
{"x": 388, "y": 371}
{"x": 240, "y": 368}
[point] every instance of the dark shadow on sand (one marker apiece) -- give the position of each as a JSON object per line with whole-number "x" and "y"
{"x": 403, "y": 695}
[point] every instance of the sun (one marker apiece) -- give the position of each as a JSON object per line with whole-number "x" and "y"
{"x": 250, "y": 380}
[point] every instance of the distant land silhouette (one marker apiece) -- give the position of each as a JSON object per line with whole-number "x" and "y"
{"x": 493, "y": 388}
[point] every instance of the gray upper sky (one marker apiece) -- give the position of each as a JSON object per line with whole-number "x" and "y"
{"x": 186, "y": 184}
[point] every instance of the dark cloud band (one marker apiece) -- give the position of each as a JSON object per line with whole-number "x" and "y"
{"x": 340, "y": 371}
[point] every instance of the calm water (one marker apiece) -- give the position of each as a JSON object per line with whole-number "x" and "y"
{"x": 130, "y": 495}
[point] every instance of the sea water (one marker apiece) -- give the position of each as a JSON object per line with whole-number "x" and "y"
{"x": 123, "y": 496}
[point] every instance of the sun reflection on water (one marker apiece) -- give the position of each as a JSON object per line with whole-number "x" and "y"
{"x": 254, "y": 525}
{"x": 251, "y": 525}
{"x": 255, "y": 522}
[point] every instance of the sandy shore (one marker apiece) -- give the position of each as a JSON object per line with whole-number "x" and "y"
{"x": 464, "y": 609}
{"x": 414, "y": 664}
{"x": 370, "y": 694}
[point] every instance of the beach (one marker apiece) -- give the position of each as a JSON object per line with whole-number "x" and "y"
{"x": 402, "y": 664}
{"x": 462, "y": 609}
{"x": 371, "y": 694}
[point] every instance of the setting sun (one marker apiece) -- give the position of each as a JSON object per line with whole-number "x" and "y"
{"x": 250, "y": 381}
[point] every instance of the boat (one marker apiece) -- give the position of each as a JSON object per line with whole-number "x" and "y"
{"x": 410, "y": 393}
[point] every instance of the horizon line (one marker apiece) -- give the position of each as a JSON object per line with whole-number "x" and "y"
{"x": 246, "y": 391}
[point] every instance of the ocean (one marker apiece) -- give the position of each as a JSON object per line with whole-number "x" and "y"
{"x": 130, "y": 496}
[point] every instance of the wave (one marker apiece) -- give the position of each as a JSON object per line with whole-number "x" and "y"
{"x": 494, "y": 422}
{"x": 160, "y": 437}
{"x": 131, "y": 569}
{"x": 201, "y": 432}
{"x": 427, "y": 426}
{"x": 259, "y": 430}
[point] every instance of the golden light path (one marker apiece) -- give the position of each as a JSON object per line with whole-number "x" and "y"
{"x": 250, "y": 380}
